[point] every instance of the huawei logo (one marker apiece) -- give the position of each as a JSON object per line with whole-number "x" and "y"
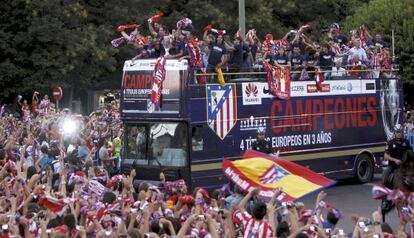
{"x": 251, "y": 89}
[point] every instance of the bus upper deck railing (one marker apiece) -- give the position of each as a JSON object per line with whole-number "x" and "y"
{"x": 296, "y": 75}
{"x": 298, "y": 72}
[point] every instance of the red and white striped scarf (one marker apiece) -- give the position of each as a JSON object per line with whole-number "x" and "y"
{"x": 156, "y": 18}
{"x": 396, "y": 196}
{"x": 389, "y": 235}
{"x": 319, "y": 79}
{"x": 96, "y": 187}
{"x": 56, "y": 205}
{"x": 281, "y": 42}
{"x": 218, "y": 31}
{"x": 62, "y": 153}
{"x": 184, "y": 22}
{"x": 363, "y": 38}
{"x": 250, "y": 36}
{"x": 158, "y": 79}
{"x": 278, "y": 79}
{"x": 385, "y": 59}
{"x": 375, "y": 60}
{"x": 194, "y": 52}
{"x": 178, "y": 184}
{"x": 336, "y": 49}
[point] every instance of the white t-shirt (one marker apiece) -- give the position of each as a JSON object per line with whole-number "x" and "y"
{"x": 70, "y": 149}
{"x": 338, "y": 72}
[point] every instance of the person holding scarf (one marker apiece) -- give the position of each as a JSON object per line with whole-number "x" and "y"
{"x": 194, "y": 57}
{"x": 217, "y": 57}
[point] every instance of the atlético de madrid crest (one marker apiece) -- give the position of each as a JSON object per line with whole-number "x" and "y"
{"x": 221, "y": 108}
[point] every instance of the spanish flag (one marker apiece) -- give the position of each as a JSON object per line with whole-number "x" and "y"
{"x": 258, "y": 170}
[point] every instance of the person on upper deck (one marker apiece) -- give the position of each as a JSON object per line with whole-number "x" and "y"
{"x": 296, "y": 61}
{"x": 326, "y": 60}
{"x": 281, "y": 58}
{"x": 217, "y": 57}
{"x": 156, "y": 50}
{"x": 357, "y": 50}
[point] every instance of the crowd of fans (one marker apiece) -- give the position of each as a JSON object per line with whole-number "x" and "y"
{"x": 341, "y": 54}
{"x": 59, "y": 178}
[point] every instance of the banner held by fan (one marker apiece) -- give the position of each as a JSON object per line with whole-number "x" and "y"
{"x": 159, "y": 77}
{"x": 319, "y": 79}
{"x": 258, "y": 170}
{"x": 278, "y": 79}
{"x": 220, "y": 77}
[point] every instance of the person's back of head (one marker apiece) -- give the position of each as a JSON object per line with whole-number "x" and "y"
{"x": 70, "y": 221}
{"x": 101, "y": 142}
{"x": 175, "y": 223}
{"x": 155, "y": 227}
{"x": 70, "y": 187}
{"x": 44, "y": 149}
{"x": 385, "y": 227}
{"x": 238, "y": 190}
{"x": 2, "y": 154}
{"x": 216, "y": 194}
{"x": 53, "y": 223}
{"x": 301, "y": 235}
{"x": 143, "y": 186}
{"x": 332, "y": 218}
{"x": 134, "y": 233}
{"x": 282, "y": 229}
{"x": 108, "y": 197}
{"x": 30, "y": 172}
{"x": 259, "y": 210}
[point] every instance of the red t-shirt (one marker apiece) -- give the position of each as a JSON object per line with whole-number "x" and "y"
{"x": 55, "y": 135}
{"x": 34, "y": 107}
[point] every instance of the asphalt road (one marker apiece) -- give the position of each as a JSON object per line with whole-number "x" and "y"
{"x": 351, "y": 198}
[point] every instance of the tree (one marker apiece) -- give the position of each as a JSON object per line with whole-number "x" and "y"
{"x": 67, "y": 42}
{"x": 381, "y": 16}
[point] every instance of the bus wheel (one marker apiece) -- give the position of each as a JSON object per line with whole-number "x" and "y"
{"x": 364, "y": 168}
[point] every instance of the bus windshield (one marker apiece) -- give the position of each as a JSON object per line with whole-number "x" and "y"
{"x": 156, "y": 144}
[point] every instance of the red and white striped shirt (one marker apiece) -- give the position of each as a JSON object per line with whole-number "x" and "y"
{"x": 254, "y": 228}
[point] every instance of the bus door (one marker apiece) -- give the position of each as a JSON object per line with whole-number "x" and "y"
{"x": 155, "y": 147}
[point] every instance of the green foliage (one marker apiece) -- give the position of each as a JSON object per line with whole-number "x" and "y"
{"x": 67, "y": 42}
{"x": 381, "y": 16}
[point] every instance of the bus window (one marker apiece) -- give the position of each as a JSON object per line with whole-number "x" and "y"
{"x": 197, "y": 138}
{"x": 136, "y": 144}
{"x": 157, "y": 144}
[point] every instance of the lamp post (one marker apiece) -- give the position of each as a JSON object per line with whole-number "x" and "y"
{"x": 242, "y": 19}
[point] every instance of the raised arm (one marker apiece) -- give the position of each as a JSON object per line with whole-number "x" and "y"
{"x": 245, "y": 200}
{"x": 211, "y": 226}
{"x": 151, "y": 29}
{"x": 319, "y": 198}
{"x": 205, "y": 37}
{"x": 186, "y": 225}
{"x": 286, "y": 36}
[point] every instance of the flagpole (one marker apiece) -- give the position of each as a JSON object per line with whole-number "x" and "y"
{"x": 242, "y": 19}
{"x": 393, "y": 46}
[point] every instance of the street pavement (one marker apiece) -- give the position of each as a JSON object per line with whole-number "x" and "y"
{"x": 351, "y": 198}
